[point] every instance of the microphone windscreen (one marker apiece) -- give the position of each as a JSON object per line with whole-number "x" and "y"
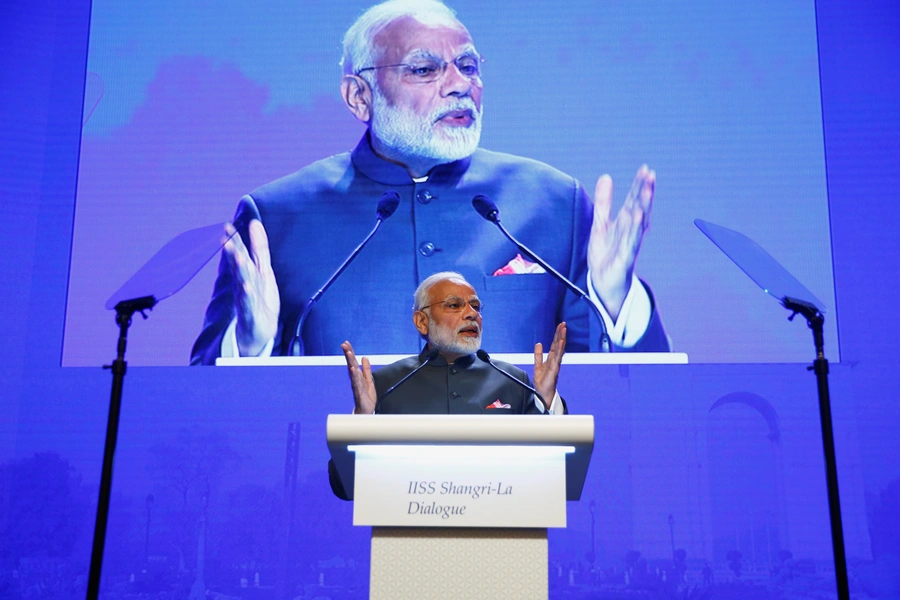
{"x": 389, "y": 202}
{"x": 432, "y": 355}
{"x": 483, "y": 356}
{"x": 486, "y": 208}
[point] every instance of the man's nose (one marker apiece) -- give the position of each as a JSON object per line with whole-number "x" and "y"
{"x": 454, "y": 83}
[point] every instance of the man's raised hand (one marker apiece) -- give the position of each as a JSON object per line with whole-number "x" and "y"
{"x": 614, "y": 244}
{"x": 546, "y": 372}
{"x": 364, "y": 394}
{"x": 256, "y": 300}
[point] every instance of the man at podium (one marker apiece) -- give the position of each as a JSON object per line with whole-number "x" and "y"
{"x": 452, "y": 375}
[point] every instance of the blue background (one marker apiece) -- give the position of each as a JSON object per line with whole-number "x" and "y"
{"x": 732, "y": 452}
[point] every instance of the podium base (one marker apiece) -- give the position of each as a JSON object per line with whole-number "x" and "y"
{"x": 422, "y": 563}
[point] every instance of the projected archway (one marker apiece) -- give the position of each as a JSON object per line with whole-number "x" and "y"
{"x": 746, "y": 481}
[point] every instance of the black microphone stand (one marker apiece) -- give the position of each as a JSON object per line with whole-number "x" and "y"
{"x": 433, "y": 354}
{"x": 485, "y": 357}
{"x": 124, "y": 312}
{"x": 815, "y": 320}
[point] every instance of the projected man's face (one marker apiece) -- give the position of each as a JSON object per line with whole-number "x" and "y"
{"x": 427, "y": 97}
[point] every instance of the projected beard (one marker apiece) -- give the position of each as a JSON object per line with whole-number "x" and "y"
{"x": 414, "y": 135}
{"x": 446, "y": 339}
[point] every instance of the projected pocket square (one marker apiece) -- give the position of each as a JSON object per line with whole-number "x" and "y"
{"x": 519, "y": 266}
{"x": 497, "y": 404}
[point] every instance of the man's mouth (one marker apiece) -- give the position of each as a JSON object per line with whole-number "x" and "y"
{"x": 469, "y": 331}
{"x": 458, "y": 118}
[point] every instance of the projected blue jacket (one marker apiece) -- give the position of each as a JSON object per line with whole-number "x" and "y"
{"x": 316, "y": 216}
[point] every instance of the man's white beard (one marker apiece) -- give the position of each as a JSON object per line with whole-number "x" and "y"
{"x": 416, "y": 136}
{"x": 447, "y": 339}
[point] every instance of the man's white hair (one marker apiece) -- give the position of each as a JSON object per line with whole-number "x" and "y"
{"x": 359, "y": 47}
{"x": 421, "y": 298}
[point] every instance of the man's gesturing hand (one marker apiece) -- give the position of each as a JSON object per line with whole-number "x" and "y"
{"x": 614, "y": 244}
{"x": 546, "y": 372}
{"x": 361, "y": 381}
{"x": 256, "y": 300}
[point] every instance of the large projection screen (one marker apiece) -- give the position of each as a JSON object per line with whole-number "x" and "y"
{"x": 189, "y": 106}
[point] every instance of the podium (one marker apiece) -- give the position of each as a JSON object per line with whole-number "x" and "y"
{"x": 460, "y": 504}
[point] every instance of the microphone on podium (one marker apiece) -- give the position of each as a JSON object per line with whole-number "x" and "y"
{"x": 484, "y": 356}
{"x": 433, "y": 354}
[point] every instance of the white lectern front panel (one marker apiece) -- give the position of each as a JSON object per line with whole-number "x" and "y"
{"x": 460, "y": 486}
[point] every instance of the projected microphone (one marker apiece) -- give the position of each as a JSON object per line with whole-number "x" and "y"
{"x": 430, "y": 357}
{"x": 489, "y": 211}
{"x": 389, "y": 202}
{"x": 484, "y": 356}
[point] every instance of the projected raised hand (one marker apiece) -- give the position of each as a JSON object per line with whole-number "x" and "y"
{"x": 614, "y": 243}
{"x": 256, "y": 300}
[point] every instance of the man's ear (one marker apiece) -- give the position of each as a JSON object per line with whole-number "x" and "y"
{"x": 420, "y": 320}
{"x": 357, "y": 95}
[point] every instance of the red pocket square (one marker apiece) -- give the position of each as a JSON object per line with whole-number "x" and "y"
{"x": 497, "y": 404}
{"x": 519, "y": 266}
